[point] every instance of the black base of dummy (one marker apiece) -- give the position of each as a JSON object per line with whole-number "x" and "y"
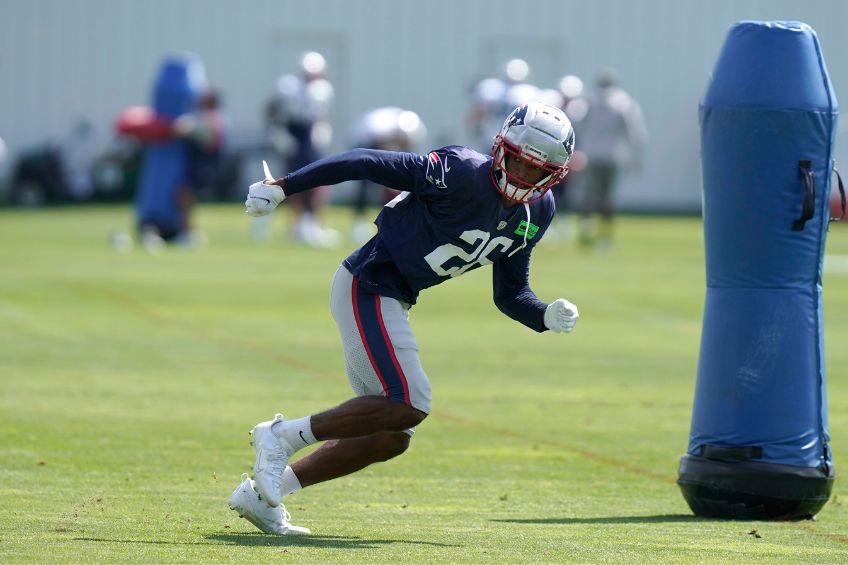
{"x": 746, "y": 490}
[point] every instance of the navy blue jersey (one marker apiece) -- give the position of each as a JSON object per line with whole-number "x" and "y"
{"x": 450, "y": 219}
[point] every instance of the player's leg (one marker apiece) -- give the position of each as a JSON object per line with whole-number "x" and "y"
{"x": 362, "y": 229}
{"x": 337, "y": 458}
{"x": 299, "y": 225}
{"x": 381, "y": 358}
{"x": 310, "y": 228}
{"x": 588, "y": 205}
{"x": 384, "y": 425}
{"x": 606, "y": 207}
{"x": 381, "y": 361}
{"x": 364, "y": 416}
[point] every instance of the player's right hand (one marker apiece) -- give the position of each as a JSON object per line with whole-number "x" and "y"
{"x": 263, "y": 196}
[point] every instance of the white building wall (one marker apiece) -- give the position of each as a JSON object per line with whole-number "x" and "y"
{"x": 62, "y": 60}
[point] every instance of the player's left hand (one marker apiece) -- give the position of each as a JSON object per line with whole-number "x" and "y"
{"x": 561, "y": 315}
{"x": 264, "y": 196}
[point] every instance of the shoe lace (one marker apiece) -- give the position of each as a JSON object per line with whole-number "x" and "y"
{"x": 286, "y": 515}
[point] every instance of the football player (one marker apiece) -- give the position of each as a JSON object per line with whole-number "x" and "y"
{"x": 299, "y": 130}
{"x": 392, "y": 129}
{"x": 613, "y": 137}
{"x": 492, "y": 99}
{"x": 459, "y": 210}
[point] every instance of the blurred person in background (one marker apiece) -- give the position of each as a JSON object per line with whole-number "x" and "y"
{"x": 388, "y": 129}
{"x": 168, "y": 129}
{"x": 492, "y": 99}
{"x": 612, "y": 136}
{"x": 299, "y": 130}
{"x": 204, "y": 130}
{"x": 569, "y": 97}
{"x": 459, "y": 210}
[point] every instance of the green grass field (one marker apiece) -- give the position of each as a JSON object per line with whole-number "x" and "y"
{"x": 130, "y": 382}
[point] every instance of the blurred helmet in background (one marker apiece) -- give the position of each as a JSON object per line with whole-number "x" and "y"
{"x": 519, "y": 95}
{"x": 571, "y": 87}
{"x": 488, "y": 92}
{"x": 412, "y": 129}
{"x": 313, "y": 65}
{"x": 517, "y": 70}
{"x": 552, "y": 96}
{"x": 390, "y": 128}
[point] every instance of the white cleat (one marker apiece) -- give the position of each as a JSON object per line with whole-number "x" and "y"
{"x": 152, "y": 241}
{"x": 272, "y": 456}
{"x": 245, "y": 500}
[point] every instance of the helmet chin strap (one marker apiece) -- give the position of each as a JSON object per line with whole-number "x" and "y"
{"x": 526, "y": 229}
{"x": 506, "y": 184}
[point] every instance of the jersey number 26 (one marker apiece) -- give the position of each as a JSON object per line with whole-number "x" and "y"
{"x": 478, "y": 256}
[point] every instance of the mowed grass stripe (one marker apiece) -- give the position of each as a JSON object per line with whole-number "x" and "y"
{"x": 100, "y": 292}
{"x": 130, "y": 382}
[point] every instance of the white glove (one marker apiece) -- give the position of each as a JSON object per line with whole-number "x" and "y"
{"x": 561, "y": 315}
{"x": 262, "y": 198}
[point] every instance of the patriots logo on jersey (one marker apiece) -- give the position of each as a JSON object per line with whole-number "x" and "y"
{"x": 437, "y": 166}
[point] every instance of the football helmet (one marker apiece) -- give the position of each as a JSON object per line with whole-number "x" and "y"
{"x": 540, "y": 135}
{"x": 517, "y": 70}
{"x": 313, "y": 65}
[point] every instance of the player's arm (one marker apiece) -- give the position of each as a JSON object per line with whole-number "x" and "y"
{"x": 388, "y": 168}
{"x": 513, "y": 297}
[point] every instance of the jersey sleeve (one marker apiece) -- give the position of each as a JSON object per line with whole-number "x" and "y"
{"x": 512, "y": 293}
{"x": 436, "y": 174}
{"x": 511, "y": 277}
{"x": 398, "y": 170}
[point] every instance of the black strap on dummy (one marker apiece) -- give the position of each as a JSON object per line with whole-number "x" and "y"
{"x": 739, "y": 453}
{"x": 805, "y": 168}
{"x": 841, "y": 195}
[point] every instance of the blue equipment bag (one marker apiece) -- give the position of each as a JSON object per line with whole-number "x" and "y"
{"x": 165, "y": 164}
{"x": 758, "y": 446}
